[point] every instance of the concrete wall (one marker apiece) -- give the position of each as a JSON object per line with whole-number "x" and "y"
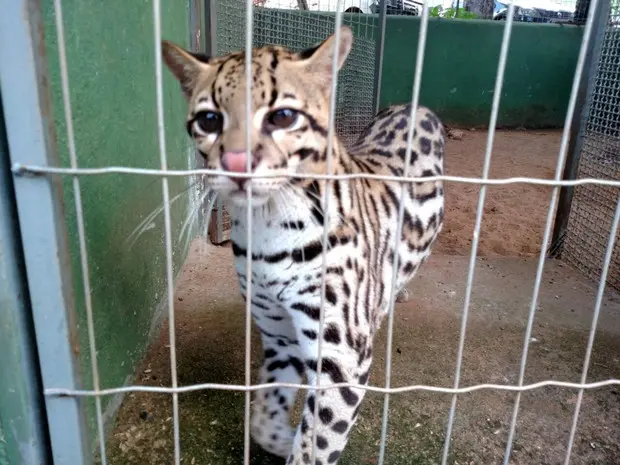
{"x": 460, "y": 64}
{"x": 110, "y": 51}
{"x": 460, "y": 67}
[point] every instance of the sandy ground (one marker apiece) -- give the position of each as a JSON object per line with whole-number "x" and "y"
{"x": 515, "y": 214}
{"x": 210, "y": 339}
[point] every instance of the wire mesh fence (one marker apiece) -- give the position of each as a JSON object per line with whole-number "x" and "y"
{"x": 235, "y": 32}
{"x": 593, "y": 207}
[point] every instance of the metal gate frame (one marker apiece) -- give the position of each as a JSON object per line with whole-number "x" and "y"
{"x": 23, "y": 439}
{"x": 30, "y": 134}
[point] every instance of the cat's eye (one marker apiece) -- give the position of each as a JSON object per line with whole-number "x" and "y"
{"x": 282, "y": 118}
{"x": 209, "y": 122}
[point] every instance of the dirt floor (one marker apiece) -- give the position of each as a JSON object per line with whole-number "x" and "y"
{"x": 514, "y": 214}
{"x": 210, "y": 340}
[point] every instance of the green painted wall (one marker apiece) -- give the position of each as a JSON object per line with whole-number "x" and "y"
{"x": 110, "y": 53}
{"x": 461, "y": 65}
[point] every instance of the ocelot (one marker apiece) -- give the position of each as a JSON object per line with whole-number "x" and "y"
{"x": 289, "y": 117}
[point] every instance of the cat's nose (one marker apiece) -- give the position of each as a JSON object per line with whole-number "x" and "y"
{"x": 236, "y": 162}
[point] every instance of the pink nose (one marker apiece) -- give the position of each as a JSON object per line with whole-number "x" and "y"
{"x": 237, "y": 162}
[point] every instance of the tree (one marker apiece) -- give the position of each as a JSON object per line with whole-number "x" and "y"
{"x": 581, "y": 11}
{"x": 483, "y": 8}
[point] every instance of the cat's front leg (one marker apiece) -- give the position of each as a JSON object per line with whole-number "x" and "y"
{"x": 271, "y": 408}
{"x": 346, "y": 357}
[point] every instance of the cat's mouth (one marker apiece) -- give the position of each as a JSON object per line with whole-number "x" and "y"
{"x": 235, "y": 189}
{"x": 238, "y": 194}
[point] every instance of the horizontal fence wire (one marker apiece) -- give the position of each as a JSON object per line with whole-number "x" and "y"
{"x": 20, "y": 169}
{"x": 60, "y": 392}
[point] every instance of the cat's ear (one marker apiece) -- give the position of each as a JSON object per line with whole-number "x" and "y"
{"x": 185, "y": 66}
{"x": 319, "y": 60}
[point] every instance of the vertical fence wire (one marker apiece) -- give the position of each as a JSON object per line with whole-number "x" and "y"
{"x": 250, "y": 213}
{"x": 81, "y": 230}
{"x": 549, "y": 223}
{"x": 167, "y": 226}
{"x": 417, "y": 83}
{"x": 497, "y": 94}
{"x": 330, "y": 147}
{"x": 597, "y": 310}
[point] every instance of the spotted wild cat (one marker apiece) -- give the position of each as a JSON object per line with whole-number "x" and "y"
{"x": 289, "y": 130}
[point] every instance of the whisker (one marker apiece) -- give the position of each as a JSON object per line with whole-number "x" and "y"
{"x": 192, "y": 214}
{"x": 284, "y": 212}
{"x": 142, "y": 227}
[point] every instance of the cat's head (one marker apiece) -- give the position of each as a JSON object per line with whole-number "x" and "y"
{"x": 288, "y": 119}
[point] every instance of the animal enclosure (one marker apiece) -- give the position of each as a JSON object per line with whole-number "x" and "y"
{"x": 129, "y": 341}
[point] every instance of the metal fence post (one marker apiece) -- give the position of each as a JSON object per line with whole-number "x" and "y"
{"x": 23, "y": 432}
{"x": 29, "y": 123}
{"x": 379, "y": 53}
{"x": 196, "y": 28}
{"x": 215, "y": 226}
{"x": 578, "y": 129}
{"x": 210, "y": 27}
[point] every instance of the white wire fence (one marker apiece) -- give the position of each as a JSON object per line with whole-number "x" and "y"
{"x": 175, "y": 390}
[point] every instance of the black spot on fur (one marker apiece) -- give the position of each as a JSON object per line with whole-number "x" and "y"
{"x": 309, "y": 333}
{"x": 297, "y": 364}
{"x": 330, "y": 295}
{"x": 426, "y": 125}
{"x": 333, "y": 457}
{"x": 312, "y": 312}
{"x": 340, "y": 427}
{"x": 293, "y": 225}
{"x": 314, "y": 194}
{"x": 326, "y": 415}
{"x": 425, "y": 145}
{"x": 306, "y": 152}
{"x": 332, "y": 334}
{"x": 274, "y": 97}
{"x": 277, "y": 365}
{"x": 307, "y": 253}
